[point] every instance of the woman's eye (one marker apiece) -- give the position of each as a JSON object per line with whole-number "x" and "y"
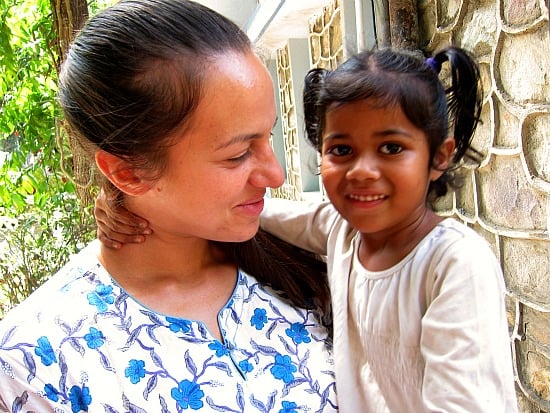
{"x": 391, "y": 148}
{"x": 240, "y": 158}
{"x": 339, "y": 150}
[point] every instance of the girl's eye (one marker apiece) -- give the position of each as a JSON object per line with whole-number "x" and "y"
{"x": 391, "y": 148}
{"x": 339, "y": 150}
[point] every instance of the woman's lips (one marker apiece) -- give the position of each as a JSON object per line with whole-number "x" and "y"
{"x": 253, "y": 207}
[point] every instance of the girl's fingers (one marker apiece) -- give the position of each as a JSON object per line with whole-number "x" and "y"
{"x": 112, "y": 218}
{"x": 116, "y": 240}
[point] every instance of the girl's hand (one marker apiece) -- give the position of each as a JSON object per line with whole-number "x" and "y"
{"x": 116, "y": 225}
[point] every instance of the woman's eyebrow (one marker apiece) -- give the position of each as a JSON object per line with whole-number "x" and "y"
{"x": 243, "y": 138}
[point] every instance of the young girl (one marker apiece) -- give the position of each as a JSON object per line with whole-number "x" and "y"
{"x": 418, "y": 300}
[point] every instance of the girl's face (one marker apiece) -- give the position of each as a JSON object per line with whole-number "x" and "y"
{"x": 219, "y": 170}
{"x": 375, "y": 167}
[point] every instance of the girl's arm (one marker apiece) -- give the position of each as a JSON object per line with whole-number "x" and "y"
{"x": 304, "y": 224}
{"x": 464, "y": 340}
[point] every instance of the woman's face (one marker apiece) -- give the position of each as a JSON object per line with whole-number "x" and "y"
{"x": 218, "y": 172}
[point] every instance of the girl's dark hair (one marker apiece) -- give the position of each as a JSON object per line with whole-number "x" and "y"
{"x": 404, "y": 78}
{"x": 134, "y": 75}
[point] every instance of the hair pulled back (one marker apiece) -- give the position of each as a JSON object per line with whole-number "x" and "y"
{"x": 403, "y": 78}
{"x": 134, "y": 74}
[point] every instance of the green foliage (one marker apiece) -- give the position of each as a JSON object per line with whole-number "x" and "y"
{"x": 41, "y": 220}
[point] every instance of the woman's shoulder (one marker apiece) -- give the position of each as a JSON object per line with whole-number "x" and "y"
{"x": 57, "y": 294}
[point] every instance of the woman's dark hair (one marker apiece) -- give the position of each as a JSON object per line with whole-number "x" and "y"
{"x": 406, "y": 79}
{"x": 301, "y": 276}
{"x": 134, "y": 75}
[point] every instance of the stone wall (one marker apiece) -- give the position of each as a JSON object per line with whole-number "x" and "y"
{"x": 506, "y": 199}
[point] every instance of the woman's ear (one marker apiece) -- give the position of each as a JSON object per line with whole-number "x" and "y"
{"x": 121, "y": 173}
{"x": 442, "y": 158}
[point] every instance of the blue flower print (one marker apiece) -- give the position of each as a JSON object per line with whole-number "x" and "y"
{"x": 135, "y": 370}
{"x": 80, "y": 398}
{"x": 94, "y": 338}
{"x": 45, "y": 351}
{"x": 102, "y": 296}
{"x": 298, "y": 333}
{"x": 259, "y": 318}
{"x": 289, "y": 407}
{"x": 283, "y": 368}
{"x": 219, "y": 348}
{"x": 177, "y": 324}
{"x": 51, "y": 392}
{"x": 188, "y": 395}
{"x": 245, "y": 366}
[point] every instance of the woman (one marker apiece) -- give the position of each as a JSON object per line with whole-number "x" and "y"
{"x": 169, "y": 98}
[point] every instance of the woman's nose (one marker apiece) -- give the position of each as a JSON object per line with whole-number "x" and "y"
{"x": 269, "y": 173}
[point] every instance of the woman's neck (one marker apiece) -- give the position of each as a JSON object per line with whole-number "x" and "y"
{"x": 189, "y": 278}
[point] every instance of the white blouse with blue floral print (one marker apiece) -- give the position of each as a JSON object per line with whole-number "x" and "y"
{"x": 81, "y": 343}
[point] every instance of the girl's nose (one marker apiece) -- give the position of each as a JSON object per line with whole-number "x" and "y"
{"x": 363, "y": 168}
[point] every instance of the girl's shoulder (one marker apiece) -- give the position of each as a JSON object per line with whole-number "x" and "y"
{"x": 454, "y": 241}
{"x": 452, "y": 230}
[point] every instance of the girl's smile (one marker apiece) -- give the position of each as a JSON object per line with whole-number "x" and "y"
{"x": 375, "y": 166}
{"x": 366, "y": 199}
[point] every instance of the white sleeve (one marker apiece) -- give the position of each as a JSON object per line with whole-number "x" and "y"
{"x": 16, "y": 395}
{"x": 465, "y": 342}
{"x": 304, "y": 224}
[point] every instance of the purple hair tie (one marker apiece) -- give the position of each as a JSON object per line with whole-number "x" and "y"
{"x": 434, "y": 64}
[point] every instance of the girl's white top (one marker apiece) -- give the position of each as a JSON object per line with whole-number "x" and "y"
{"x": 426, "y": 335}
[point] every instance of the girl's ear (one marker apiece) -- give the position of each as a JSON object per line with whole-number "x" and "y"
{"x": 121, "y": 173}
{"x": 442, "y": 158}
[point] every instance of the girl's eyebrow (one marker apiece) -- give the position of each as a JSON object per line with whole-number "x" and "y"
{"x": 334, "y": 136}
{"x": 242, "y": 138}
{"x": 379, "y": 134}
{"x": 393, "y": 131}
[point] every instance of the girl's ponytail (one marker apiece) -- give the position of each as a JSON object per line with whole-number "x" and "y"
{"x": 464, "y": 98}
{"x": 313, "y": 119}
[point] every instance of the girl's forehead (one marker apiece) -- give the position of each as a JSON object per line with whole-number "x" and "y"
{"x": 363, "y": 105}
{"x": 360, "y": 119}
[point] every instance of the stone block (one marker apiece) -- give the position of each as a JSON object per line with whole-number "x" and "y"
{"x": 536, "y": 145}
{"x": 507, "y": 199}
{"x": 520, "y": 12}
{"x": 526, "y": 263}
{"x": 521, "y": 66}
{"x": 507, "y": 125}
{"x": 465, "y": 195}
